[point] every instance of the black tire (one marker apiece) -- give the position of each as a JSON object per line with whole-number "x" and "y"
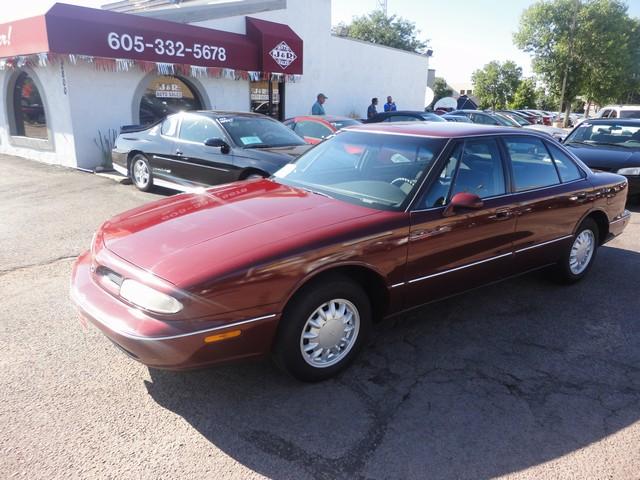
{"x": 562, "y": 271}
{"x": 288, "y": 346}
{"x": 140, "y": 185}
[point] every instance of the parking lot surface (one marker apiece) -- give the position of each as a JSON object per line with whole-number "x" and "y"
{"x": 523, "y": 379}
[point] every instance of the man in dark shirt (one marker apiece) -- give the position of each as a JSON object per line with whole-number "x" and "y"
{"x": 372, "y": 111}
{"x": 390, "y": 106}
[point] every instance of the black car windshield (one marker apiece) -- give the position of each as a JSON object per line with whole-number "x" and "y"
{"x": 611, "y": 133}
{"x": 377, "y": 170}
{"x": 515, "y": 118}
{"x": 259, "y": 132}
{"x": 344, "y": 122}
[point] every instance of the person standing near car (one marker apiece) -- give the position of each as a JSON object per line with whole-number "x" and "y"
{"x": 372, "y": 111}
{"x": 390, "y": 106}
{"x": 318, "y": 108}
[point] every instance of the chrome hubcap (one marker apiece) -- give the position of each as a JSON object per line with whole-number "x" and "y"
{"x": 330, "y": 333}
{"x": 141, "y": 173}
{"x": 582, "y": 251}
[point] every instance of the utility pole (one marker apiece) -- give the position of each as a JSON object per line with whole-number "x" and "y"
{"x": 565, "y": 122}
{"x": 382, "y": 5}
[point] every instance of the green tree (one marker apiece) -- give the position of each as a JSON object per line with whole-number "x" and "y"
{"x": 440, "y": 89}
{"x": 391, "y": 31}
{"x": 495, "y": 84}
{"x": 525, "y": 96}
{"x": 580, "y": 47}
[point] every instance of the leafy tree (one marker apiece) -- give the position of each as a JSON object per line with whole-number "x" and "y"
{"x": 526, "y": 95}
{"x": 391, "y": 31}
{"x": 495, "y": 84}
{"x": 581, "y": 47}
{"x": 440, "y": 89}
{"x": 546, "y": 100}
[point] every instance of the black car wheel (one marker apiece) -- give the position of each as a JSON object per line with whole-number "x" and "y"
{"x": 140, "y": 173}
{"x": 323, "y": 328}
{"x": 579, "y": 257}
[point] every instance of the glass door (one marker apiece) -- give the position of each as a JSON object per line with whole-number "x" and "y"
{"x": 267, "y": 98}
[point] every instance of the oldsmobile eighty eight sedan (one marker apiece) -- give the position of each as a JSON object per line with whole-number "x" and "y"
{"x": 372, "y": 222}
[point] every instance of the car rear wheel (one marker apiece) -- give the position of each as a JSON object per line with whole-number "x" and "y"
{"x": 579, "y": 257}
{"x": 141, "y": 175}
{"x": 322, "y": 329}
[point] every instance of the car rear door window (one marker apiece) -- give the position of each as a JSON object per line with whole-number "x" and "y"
{"x": 309, "y": 128}
{"x": 531, "y": 163}
{"x": 199, "y": 129}
{"x": 567, "y": 168}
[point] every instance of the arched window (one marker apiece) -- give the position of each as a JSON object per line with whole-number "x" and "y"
{"x": 29, "y": 116}
{"x": 164, "y": 95}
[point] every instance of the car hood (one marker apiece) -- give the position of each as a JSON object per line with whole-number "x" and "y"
{"x": 274, "y": 157}
{"x": 606, "y": 157}
{"x": 220, "y": 228}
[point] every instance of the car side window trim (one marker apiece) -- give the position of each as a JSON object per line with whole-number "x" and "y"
{"x": 582, "y": 173}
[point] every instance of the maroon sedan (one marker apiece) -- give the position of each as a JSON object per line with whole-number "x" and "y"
{"x": 372, "y": 222}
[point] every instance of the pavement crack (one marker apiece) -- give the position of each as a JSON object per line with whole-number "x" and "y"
{"x": 39, "y": 264}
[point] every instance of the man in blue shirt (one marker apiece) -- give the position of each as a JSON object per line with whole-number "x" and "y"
{"x": 317, "y": 108}
{"x": 390, "y": 106}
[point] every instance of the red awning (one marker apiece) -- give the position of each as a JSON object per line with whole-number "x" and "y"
{"x": 69, "y": 29}
{"x": 281, "y": 48}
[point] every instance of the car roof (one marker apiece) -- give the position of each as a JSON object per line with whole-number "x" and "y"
{"x": 224, "y": 113}
{"x": 617, "y": 121}
{"x": 403, "y": 112}
{"x": 328, "y": 118}
{"x": 440, "y": 129}
{"x": 622, "y": 107}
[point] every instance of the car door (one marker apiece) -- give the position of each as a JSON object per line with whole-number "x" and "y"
{"x": 198, "y": 163}
{"x": 551, "y": 194}
{"x": 161, "y": 149}
{"x": 449, "y": 254}
{"x": 312, "y": 131}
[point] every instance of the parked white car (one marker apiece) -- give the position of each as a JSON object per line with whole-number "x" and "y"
{"x": 619, "y": 111}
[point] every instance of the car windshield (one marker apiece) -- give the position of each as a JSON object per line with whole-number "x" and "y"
{"x": 344, "y": 122}
{"x": 432, "y": 117}
{"x": 259, "y": 132}
{"x": 377, "y": 170}
{"x": 515, "y": 118}
{"x": 505, "y": 120}
{"x": 609, "y": 133}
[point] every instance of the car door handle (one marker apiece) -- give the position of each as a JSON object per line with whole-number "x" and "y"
{"x": 503, "y": 214}
{"x": 178, "y": 152}
{"x": 578, "y": 196}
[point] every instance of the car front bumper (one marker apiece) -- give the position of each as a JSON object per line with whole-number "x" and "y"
{"x": 170, "y": 348}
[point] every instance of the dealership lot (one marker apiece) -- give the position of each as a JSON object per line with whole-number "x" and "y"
{"x": 523, "y": 379}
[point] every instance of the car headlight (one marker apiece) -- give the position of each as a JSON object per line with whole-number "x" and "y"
{"x": 629, "y": 171}
{"x": 148, "y": 298}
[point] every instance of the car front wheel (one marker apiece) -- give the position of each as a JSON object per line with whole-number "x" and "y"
{"x": 322, "y": 329}
{"x": 578, "y": 259}
{"x": 141, "y": 175}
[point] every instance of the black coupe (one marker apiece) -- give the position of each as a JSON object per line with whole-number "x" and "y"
{"x": 195, "y": 149}
{"x": 405, "y": 116}
{"x": 610, "y": 145}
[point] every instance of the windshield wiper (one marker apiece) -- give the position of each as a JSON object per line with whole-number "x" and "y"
{"x": 258, "y": 145}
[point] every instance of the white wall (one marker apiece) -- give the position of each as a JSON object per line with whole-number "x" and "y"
{"x": 349, "y": 72}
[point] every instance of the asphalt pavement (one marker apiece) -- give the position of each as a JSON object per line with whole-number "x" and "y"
{"x": 523, "y": 379}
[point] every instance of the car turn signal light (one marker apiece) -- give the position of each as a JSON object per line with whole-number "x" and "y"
{"x": 222, "y": 336}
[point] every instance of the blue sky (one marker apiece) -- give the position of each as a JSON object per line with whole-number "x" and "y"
{"x": 464, "y": 34}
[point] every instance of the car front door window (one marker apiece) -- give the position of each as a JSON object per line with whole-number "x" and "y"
{"x": 198, "y": 130}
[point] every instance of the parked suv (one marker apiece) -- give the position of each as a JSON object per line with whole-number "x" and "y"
{"x": 619, "y": 111}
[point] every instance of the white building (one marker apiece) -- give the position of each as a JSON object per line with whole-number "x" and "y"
{"x": 70, "y": 78}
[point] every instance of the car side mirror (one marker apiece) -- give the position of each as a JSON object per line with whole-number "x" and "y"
{"x": 463, "y": 201}
{"x": 218, "y": 142}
